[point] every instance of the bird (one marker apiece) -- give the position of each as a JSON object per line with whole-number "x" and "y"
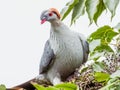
{"x": 64, "y": 51}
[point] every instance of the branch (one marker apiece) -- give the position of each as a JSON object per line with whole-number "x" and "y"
{"x": 27, "y": 85}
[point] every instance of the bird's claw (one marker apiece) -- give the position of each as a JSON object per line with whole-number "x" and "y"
{"x": 40, "y": 77}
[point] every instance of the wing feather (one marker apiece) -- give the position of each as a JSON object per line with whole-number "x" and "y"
{"x": 85, "y": 46}
{"x": 47, "y": 58}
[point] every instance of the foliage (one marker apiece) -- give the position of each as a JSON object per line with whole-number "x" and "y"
{"x": 105, "y": 76}
{"x": 102, "y": 71}
{"x": 105, "y": 35}
{"x": 69, "y": 7}
{"x": 2, "y": 87}
{"x": 94, "y": 75}
{"x": 64, "y": 86}
{"x": 99, "y": 74}
{"x": 112, "y": 84}
{"x": 94, "y": 9}
{"x": 106, "y": 62}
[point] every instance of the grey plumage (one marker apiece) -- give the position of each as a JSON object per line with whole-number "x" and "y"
{"x": 47, "y": 58}
{"x": 63, "y": 52}
{"x": 85, "y": 46}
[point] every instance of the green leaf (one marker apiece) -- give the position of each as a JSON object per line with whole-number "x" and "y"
{"x": 112, "y": 84}
{"x": 110, "y": 33}
{"x": 111, "y": 5}
{"x": 95, "y": 55}
{"x": 38, "y": 87}
{"x": 100, "y": 9}
{"x": 105, "y": 33}
{"x": 94, "y": 9}
{"x": 52, "y": 88}
{"x": 2, "y": 87}
{"x": 99, "y": 33}
{"x": 91, "y": 8}
{"x": 69, "y": 6}
{"x": 98, "y": 67}
{"x": 83, "y": 69}
{"x": 63, "y": 86}
{"x": 101, "y": 77}
{"x": 78, "y": 10}
{"x": 102, "y": 48}
{"x": 67, "y": 86}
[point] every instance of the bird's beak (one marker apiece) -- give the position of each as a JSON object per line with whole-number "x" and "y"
{"x": 43, "y": 21}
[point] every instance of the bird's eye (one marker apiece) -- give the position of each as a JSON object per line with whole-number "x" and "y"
{"x": 50, "y": 14}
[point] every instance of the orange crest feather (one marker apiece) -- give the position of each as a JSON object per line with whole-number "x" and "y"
{"x": 55, "y": 11}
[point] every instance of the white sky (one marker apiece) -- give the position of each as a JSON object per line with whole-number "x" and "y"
{"x": 22, "y": 37}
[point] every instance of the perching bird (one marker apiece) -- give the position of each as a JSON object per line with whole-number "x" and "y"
{"x": 64, "y": 51}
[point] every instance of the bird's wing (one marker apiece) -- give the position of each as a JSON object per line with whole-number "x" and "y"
{"x": 47, "y": 58}
{"x": 85, "y": 46}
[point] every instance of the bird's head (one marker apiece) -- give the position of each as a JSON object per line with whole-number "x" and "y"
{"x": 49, "y": 15}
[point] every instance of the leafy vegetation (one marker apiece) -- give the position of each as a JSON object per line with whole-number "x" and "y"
{"x": 64, "y": 86}
{"x": 102, "y": 71}
{"x": 2, "y": 87}
{"x": 94, "y": 9}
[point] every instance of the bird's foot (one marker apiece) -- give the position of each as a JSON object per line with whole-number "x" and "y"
{"x": 40, "y": 79}
{"x": 57, "y": 80}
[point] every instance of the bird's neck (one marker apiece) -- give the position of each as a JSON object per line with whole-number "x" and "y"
{"x": 58, "y": 29}
{"x": 55, "y": 23}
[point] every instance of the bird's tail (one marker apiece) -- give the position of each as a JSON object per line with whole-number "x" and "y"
{"x": 25, "y": 86}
